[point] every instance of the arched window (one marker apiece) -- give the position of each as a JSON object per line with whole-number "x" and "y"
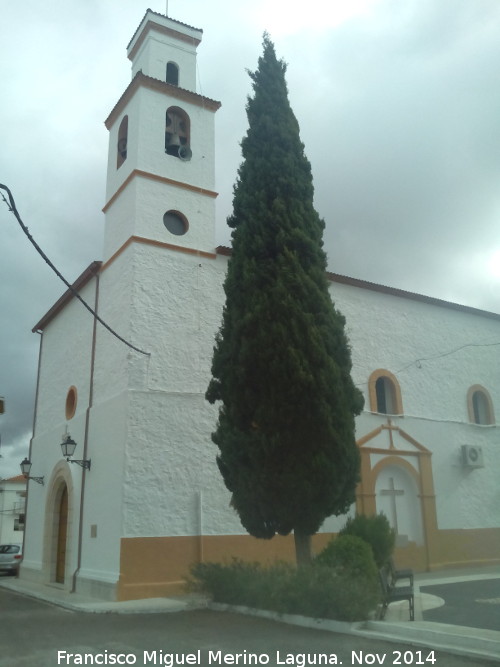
{"x": 480, "y": 405}
{"x": 121, "y": 148}
{"x": 177, "y": 133}
{"x": 172, "y": 74}
{"x": 384, "y": 393}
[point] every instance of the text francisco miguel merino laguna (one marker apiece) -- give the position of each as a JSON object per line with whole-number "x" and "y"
{"x": 106, "y": 657}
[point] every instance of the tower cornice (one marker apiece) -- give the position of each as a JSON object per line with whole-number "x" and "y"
{"x": 169, "y": 29}
{"x": 141, "y": 80}
{"x": 138, "y": 173}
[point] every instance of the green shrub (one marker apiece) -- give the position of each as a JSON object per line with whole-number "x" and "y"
{"x": 350, "y": 556}
{"x": 318, "y": 590}
{"x": 375, "y": 530}
{"x": 231, "y": 584}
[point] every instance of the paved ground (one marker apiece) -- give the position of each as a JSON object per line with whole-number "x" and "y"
{"x": 37, "y": 621}
{"x": 473, "y": 604}
{"x": 32, "y": 633}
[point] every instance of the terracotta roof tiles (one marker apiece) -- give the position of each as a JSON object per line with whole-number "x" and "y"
{"x": 163, "y": 16}
{"x": 17, "y": 478}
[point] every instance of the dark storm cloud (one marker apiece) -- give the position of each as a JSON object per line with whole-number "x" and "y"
{"x": 408, "y": 171}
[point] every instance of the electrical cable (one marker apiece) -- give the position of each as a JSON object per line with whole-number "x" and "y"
{"x": 445, "y": 354}
{"x": 12, "y": 207}
{"x": 417, "y": 362}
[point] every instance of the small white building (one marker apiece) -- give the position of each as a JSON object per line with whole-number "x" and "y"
{"x": 12, "y": 509}
{"x": 150, "y": 500}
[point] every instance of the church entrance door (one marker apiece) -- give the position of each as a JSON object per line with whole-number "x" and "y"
{"x": 61, "y": 537}
{"x": 397, "y": 496}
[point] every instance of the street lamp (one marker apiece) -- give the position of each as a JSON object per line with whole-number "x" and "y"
{"x": 25, "y": 469}
{"x": 68, "y": 446}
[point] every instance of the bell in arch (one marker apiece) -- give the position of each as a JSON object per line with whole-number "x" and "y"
{"x": 174, "y": 140}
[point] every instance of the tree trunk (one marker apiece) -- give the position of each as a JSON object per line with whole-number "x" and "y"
{"x": 302, "y": 549}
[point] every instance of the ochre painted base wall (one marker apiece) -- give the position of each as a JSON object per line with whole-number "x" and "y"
{"x": 158, "y": 566}
{"x": 456, "y": 548}
{"x": 411, "y": 556}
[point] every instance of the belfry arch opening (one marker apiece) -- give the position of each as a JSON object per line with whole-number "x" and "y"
{"x": 172, "y": 74}
{"x": 177, "y": 133}
{"x": 121, "y": 148}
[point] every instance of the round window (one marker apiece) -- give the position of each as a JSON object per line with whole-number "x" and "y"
{"x": 71, "y": 400}
{"x": 175, "y": 222}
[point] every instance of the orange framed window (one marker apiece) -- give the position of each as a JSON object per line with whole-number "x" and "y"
{"x": 384, "y": 393}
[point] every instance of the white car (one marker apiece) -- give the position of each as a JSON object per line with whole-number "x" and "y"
{"x": 10, "y": 557}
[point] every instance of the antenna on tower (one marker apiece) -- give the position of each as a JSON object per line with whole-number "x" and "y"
{"x": 166, "y": 10}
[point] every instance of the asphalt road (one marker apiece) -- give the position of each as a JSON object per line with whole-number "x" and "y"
{"x": 37, "y": 634}
{"x": 475, "y": 604}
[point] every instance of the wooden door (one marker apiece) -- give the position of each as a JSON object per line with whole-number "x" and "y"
{"x": 61, "y": 537}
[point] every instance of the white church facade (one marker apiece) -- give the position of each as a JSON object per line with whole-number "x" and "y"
{"x": 150, "y": 500}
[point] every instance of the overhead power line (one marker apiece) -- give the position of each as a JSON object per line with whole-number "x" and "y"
{"x": 12, "y": 207}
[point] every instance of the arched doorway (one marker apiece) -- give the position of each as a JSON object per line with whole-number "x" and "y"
{"x": 62, "y": 534}
{"x": 396, "y": 479}
{"x": 58, "y": 529}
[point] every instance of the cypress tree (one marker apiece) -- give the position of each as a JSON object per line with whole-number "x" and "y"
{"x": 281, "y": 364}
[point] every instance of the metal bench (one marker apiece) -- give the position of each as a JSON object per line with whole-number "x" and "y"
{"x": 398, "y": 575}
{"x": 395, "y": 594}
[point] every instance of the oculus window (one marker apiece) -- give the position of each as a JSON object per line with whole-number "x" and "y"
{"x": 176, "y": 223}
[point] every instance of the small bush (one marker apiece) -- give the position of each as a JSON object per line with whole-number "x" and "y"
{"x": 318, "y": 590}
{"x": 232, "y": 584}
{"x": 375, "y": 530}
{"x": 350, "y": 556}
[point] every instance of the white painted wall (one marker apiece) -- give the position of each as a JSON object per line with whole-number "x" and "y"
{"x": 65, "y": 351}
{"x": 102, "y": 525}
{"x": 65, "y": 362}
{"x": 177, "y": 307}
{"x": 391, "y": 332}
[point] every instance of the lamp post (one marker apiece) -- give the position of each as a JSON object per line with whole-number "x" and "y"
{"x": 25, "y": 469}
{"x": 68, "y": 446}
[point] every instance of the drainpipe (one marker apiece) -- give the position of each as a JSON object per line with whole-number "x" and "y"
{"x": 86, "y": 438}
{"x": 200, "y": 523}
{"x": 35, "y": 410}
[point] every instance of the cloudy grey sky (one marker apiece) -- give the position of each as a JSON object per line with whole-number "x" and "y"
{"x": 399, "y": 107}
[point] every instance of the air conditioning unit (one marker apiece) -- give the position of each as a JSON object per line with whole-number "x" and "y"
{"x": 472, "y": 456}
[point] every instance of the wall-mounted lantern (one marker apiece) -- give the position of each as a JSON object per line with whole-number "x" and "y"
{"x": 68, "y": 446}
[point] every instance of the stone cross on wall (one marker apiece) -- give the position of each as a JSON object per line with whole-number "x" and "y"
{"x": 392, "y": 492}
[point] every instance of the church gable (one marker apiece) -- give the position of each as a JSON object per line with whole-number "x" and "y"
{"x": 389, "y": 438}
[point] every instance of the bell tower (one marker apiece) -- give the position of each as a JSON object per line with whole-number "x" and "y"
{"x": 160, "y": 179}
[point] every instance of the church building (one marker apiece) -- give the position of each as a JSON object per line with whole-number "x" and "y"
{"x": 141, "y": 498}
